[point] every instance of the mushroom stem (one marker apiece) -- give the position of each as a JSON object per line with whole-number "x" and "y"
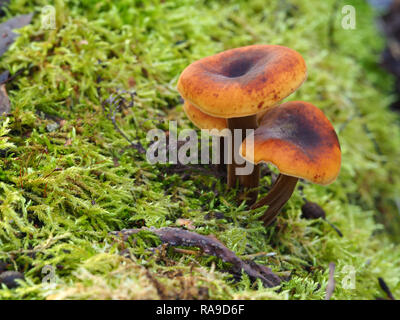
{"x": 276, "y": 197}
{"x": 221, "y": 166}
{"x": 250, "y": 181}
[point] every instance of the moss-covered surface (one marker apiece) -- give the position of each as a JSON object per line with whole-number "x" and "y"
{"x": 63, "y": 190}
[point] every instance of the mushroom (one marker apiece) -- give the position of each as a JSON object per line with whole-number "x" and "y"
{"x": 216, "y": 125}
{"x": 205, "y": 121}
{"x": 300, "y": 141}
{"x": 239, "y": 83}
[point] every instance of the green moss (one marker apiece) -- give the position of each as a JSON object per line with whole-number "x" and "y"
{"x": 61, "y": 192}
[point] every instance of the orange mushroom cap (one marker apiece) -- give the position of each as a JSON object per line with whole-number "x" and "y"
{"x": 299, "y": 140}
{"x": 243, "y": 81}
{"x": 204, "y": 121}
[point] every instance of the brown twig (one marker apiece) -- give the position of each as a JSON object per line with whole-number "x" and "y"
{"x": 210, "y": 246}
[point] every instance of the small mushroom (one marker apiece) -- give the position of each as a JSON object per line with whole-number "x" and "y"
{"x": 238, "y": 84}
{"x": 300, "y": 141}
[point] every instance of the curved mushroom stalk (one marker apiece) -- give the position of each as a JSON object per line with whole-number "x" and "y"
{"x": 277, "y": 197}
{"x": 300, "y": 141}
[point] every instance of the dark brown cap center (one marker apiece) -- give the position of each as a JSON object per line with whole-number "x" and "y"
{"x": 237, "y": 68}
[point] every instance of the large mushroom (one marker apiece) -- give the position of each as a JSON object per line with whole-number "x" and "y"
{"x": 216, "y": 126}
{"x": 300, "y": 141}
{"x": 238, "y": 84}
